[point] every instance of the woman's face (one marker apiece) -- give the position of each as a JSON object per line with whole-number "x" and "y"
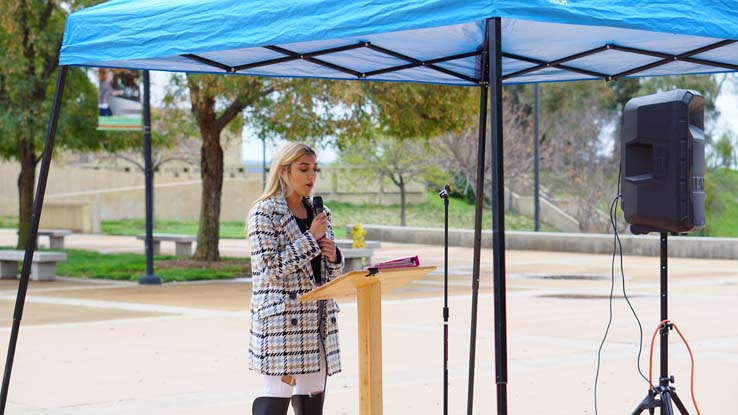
{"x": 303, "y": 174}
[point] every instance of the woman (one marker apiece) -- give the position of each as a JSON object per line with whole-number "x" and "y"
{"x": 293, "y": 344}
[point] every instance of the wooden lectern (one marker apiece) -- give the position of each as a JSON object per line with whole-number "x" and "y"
{"x": 368, "y": 287}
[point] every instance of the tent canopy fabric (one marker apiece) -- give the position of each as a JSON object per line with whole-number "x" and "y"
{"x": 430, "y": 41}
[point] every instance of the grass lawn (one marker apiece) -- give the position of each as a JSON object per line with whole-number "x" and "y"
{"x": 9, "y": 222}
{"x": 129, "y": 267}
{"x": 130, "y": 227}
{"x": 427, "y": 215}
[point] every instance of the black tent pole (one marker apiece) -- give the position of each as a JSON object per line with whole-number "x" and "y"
{"x": 149, "y": 278}
{"x": 479, "y": 207}
{"x": 38, "y": 202}
{"x": 498, "y": 212}
{"x": 536, "y": 167}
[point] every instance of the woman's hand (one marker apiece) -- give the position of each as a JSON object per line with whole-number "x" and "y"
{"x": 319, "y": 226}
{"x": 328, "y": 249}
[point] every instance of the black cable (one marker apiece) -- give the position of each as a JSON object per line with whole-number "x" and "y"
{"x": 617, "y": 245}
{"x": 612, "y": 290}
{"x": 614, "y": 219}
{"x": 640, "y": 327}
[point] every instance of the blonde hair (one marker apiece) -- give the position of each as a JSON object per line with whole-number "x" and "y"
{"x": 277, "y": 181}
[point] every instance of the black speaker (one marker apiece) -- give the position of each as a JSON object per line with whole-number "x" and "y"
{"x": 663, "y": 162}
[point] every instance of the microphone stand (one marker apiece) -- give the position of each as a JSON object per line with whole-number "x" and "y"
{"x": 444, "y": 195}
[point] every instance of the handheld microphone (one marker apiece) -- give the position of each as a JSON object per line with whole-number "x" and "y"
{"x": 317, "y": 210}
{"x": 317, "y": 205}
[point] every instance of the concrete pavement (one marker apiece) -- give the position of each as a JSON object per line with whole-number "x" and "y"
{"x": 102, "y": 347}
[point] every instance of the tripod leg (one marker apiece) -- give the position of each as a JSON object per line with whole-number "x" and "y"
{"x": 679, "y": 404}
{"x": 666, "y": 407}
{"x": 649, "y": 402}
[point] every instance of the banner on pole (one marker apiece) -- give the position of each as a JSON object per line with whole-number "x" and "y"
{"x": 119, "y": 100}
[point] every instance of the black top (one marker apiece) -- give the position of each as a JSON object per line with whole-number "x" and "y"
{"x": 304, "y": 225}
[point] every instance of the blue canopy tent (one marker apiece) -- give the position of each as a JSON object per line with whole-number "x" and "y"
{"x": 478, "y": 43}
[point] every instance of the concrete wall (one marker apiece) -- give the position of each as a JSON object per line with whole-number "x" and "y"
{"x": 176, "y": 201}
{"x": 78, "y": 217}
{"x": 119, "y": 194}
{"x": 346, "y": 185}
{"x": 550, "y": 214}
{"x": 646, "y": 245}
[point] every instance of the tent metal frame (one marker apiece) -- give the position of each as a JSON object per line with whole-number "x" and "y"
{"x": 311, "y": 57}
{"x": 490, "y": 83}
{"x": 538, "y": 64}
{"x": 38, "y": 202}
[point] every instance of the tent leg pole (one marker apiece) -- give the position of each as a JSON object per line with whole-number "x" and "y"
{"x": 149, "y": 278}
{"x": 536, "y": 166}
{"x": 494, "y": 34}
{"x": 479, "y": 208}
{"x": 33, "y": 232}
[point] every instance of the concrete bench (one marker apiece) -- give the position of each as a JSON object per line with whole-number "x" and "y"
{"x": 56, "y": 237}
{"x": 182, "y": 243}
{"x": 352, "y": 258}
{"x": 348, "y": 243}
{"x": 43, "y": 265}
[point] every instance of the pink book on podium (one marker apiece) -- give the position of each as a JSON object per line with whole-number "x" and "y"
{"x": 408, "y": 262}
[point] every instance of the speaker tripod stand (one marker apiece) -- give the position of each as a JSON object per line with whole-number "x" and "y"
{"x": 664, "y": 395}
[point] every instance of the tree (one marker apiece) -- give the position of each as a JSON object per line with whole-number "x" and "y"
{"x": 709, "y": 86}
{"x": 574, "y": 117}
{"x": 723, "y": 153}
{"x": 401, "y": 161}
{"x": 458, "y": 150}
{"x": 412, "y": 111}
{"x": 291, "y": 109}
{"x": 30, "y": 39}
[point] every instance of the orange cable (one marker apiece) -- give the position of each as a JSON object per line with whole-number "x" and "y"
{"x": 691, "y": 358}
{"x": 650, "y": 358}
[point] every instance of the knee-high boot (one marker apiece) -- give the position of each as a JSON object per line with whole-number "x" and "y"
{"x": 308, "y": 405}
{"x": 269, "y": 405}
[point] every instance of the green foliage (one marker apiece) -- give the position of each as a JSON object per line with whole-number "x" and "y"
{"x": 462, "y": 189}
{"x": 310, "y": 110}
{"x": 724, "y": 152}
{"x": 30, "y": 39}
{"x": 405, "y": 110}
{"x": 623, "y": 90}
{"x": 30, "y": 36}
{"x": 721, "y": 203}
{"x": 293, "y": 109}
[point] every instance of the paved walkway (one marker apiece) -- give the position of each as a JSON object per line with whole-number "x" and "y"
{"x": 101, "y": 347}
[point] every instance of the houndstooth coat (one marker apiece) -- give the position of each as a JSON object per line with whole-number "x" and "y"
{"x": 284, "y": 332}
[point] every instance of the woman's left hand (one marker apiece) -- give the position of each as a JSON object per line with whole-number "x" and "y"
{"x": 328, "y": 248}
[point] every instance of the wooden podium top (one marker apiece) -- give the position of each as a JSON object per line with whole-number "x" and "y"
{"x": 346, "y": 284}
